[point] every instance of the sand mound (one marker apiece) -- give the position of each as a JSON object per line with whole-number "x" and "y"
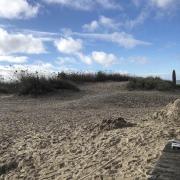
{"x": 170, "y": 112}
{"x": 113, "y": 123}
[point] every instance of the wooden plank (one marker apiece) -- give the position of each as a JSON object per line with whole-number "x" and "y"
{"x": 168, "y": 166}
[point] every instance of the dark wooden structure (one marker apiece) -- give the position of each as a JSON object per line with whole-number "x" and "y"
{"x": 168, "y": 166}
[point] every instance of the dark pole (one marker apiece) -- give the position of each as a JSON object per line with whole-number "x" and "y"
{"x": 174, "y": 77}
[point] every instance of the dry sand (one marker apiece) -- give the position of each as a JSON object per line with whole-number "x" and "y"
{"x": 102, "y": 132}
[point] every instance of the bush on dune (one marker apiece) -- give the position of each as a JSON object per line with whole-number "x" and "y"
{"x": 7, "y": 87}
{"x": 34, "y": 84}
{"x": 149, "y": 83}
{"x": 94, "y": 77}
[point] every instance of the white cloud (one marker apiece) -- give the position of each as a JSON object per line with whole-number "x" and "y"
{"x": 107, "y": 22}
{"x": 94, "y": 25}
{"x": 103, "y": 58}
{"x": 68, "y": 45}
{"x": 156, "y": 9}
{"x": 72, "y": 47}
{"x": 121, "y": 38}
{"x": 15, "y": 9}
{"x": 43, "y": 35}
{"x": 163, "y": 3}
{"x": 144, "y": 14}
{"x": 19, "y": 43}
{"x": 102, "y": 22}
{"x": 86, "y": 5}
{"x": 139, "y": 60}
{"x": 13, "y": 59}
{"x": 109, "y": 4}
{"x": 84, "y": 58}
{"x": 99, "y": 57}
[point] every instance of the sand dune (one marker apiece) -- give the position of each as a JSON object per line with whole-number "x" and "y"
{"x": 103, "y": 132}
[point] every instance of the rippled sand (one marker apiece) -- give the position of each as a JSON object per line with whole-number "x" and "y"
{"x": 56, "y": 137}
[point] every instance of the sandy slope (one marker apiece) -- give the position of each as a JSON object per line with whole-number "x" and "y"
{"x": 56, "y": 137}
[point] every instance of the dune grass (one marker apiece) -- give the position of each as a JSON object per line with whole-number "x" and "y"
{"x": 34, "y": 84}
{"x": 94, "y": 77}
{"x": 150, "y": 83}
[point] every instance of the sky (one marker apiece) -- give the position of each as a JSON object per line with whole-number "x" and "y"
{"x": 138, "y": 37}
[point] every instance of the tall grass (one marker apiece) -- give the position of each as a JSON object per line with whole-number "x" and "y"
{"x": 34, "y": 84}
{"x": 150, "y": 83}
{"x": 93, "y": 77}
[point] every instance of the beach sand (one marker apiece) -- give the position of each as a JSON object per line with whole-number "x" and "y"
{"x": 101, "y": 132}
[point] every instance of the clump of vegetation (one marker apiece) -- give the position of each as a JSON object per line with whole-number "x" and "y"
{"x": 149, "y": 83}
{"x": 7, "y": 87}
{"x": 34, "y": 84}
{"x": 94, "y": 77}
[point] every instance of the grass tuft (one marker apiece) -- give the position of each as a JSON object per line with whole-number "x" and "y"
{"x": 34, "y": 84}
{"x": 150, "y": 83}
{"x": 93, "y": 77}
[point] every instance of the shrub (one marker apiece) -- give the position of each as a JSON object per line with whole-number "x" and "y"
{"x": 100, "y": 76}
{"x": 7, "y": 87}
{"x": 93, "y": 77}
{"x": 58, "y": 83}
{"x": 149, "y": 83}
{"x": 164, "y": 86}
{"x": 33, "y": 84}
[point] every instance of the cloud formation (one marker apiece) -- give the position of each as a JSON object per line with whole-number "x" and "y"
{"x": 69, "y": 45}
{"x": 139, "y": 60}
{"x": 163, "y": 3}
{"x": 102, "y": 22}
{"x": 121, "y": 38}
{"x": 11, "y": 43}
{"x": 17, "y": 9}
{"x": 74, "y": 48}
{"x": 103, "y": 58}
{"x": 86, "y": 5}
{"x": 14, "y": 59}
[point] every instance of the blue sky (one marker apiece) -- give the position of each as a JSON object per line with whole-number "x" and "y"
{"x": 139, "y": 37}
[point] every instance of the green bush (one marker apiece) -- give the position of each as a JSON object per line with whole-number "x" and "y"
{"x": 164, "y": 86}
{"x": 149, "y": 83}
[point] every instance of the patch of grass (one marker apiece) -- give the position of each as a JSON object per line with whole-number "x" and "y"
{"x": 93, "y": 77}
{"x": 33, "y": 84}
{"x": 7, "y": 87}
{"x": 150, "y": 83}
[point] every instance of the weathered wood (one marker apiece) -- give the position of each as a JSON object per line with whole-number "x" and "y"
{"x": 168, "y": 166}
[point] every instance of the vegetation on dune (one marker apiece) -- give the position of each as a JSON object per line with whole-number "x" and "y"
{"x": 34, "y": 84}
{"x": 150, "y": 83}
{"x": 94, "y": 77}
